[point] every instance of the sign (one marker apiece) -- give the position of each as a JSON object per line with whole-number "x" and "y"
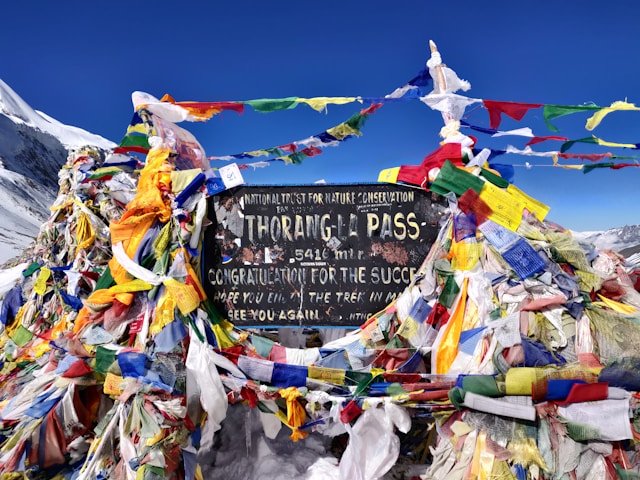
{"x": 323, "y": 255}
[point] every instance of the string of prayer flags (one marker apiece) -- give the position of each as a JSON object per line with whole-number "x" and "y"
{"x": 178, "y": 111}
{"x": 296, "y": 152}
{"x": 518, "y": 110}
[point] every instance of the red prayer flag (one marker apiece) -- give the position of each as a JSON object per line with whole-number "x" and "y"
{"x": 77, "y": 369}
{"x": 417, "y": 174}
{"x": 350, "y": 412}
{"x": 290, "y": 147}
{"x": 593, "y": 157}
{"x": 370, "y": 109}
{"x": 471, "y": 203}
{"x": 514, "y": 110}
{"x": 586, "y": 392}
{"x": 311, "y": 151}
{"x": 541, "y": 139}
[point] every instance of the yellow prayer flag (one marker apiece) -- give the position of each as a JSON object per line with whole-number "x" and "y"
{"x": 113, "y": 384}
{"x": 389, "y": 175}
{"x": 185, "y": 296}
{"x": 539, "y": 209}
{"x": 257, "y": 153}
{"x": 506, "y": 208}
{"x": 604, "y": 143}
{"x": 320, "y": 103}
{"x": 181, "y": 178}
{"x": 617, "y": 306}
{"x": 164, "y": 314}
{"x": 137, "y": 128}
{"x": 465, "y": 255}
{"x": 40, "y": 285}
{"x": 342, "y": 131}
{"x": 460, "y": 428}
{"x": 222, "y": 336}
{"x": 85, "y": 234}
{"x": 330, "y": 375}
{"x": 518, "y": 380}
{"x": 408, "y": 329}
{"x": 594, "y": 120}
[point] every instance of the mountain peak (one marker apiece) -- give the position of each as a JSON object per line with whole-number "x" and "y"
{"x": 12, "y": 105}
{"x": 19, "y": 111}
{"x": 624, "y": 239}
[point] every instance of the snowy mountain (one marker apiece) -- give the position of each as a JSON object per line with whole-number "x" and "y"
{"x": 625, "y": 240}
{"x": 33, "y": 147}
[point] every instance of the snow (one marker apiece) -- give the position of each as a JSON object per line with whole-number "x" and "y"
{"x": 14, "y": 107}
{"x": 33, "y": 147}
{"x": 613, "y": 239}
{"x": 23, "y": 208}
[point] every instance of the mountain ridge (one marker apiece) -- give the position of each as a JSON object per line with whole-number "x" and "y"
{"x": 33, "y": 148}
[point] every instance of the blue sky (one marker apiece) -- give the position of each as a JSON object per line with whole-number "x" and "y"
{"x": 80, "y": 61}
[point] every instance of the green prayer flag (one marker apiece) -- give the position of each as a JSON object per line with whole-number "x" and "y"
{"x": 104, "y": 359}
{"x": 497, "y": 180}
{"x": 567, "y": 145}
{"x": 135, "y": 140}
{"x": 395, "y": 342}
{"x": 357, "y": 378}
{"x": 21, "y": 336}
{"x": 357, "y": 121}
{"x": 105, "y": 280}
{"x": 212, "y": 312}
{"x": 449, "y": 292}
{"x": 456, "y": 397}
{"x": 31, "y": 269}
{"x": 554, "y": 111}
{"x": 456, "y": 180}
{"x": 263, "y": 408}
{"x": 363, "y": 385}
{"x": 482, "y": 385}
{"x": 295, "y": 158}
{"x": 265, "y": 105}
{"x": 581, "y": 432}
{"x": 151, "y": 472}
{"x": 589, "y": 167}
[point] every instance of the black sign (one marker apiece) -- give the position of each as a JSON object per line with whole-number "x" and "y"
{"x": 324, "y": 255}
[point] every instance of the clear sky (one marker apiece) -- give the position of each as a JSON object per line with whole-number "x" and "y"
{"x": 79, "y": 61}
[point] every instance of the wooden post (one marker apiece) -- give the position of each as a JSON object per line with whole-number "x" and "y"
{"x": 440, "y": 84}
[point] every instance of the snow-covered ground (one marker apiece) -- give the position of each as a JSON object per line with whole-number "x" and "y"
{"x": 33, "y": 147}
{"x": 243, "y": 451}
